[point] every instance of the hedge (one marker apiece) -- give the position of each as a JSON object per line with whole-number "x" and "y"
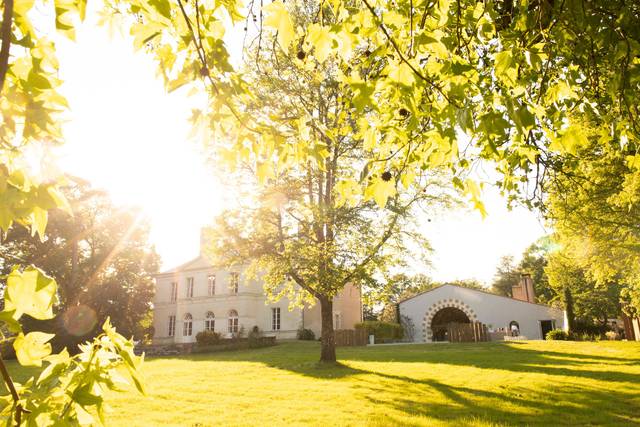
{"x": 382, "y": 331}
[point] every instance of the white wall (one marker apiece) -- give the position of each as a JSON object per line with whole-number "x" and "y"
{"x": 492, "y": 310}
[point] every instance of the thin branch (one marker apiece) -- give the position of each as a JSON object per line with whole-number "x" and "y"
{"x": 5, "y": 33}
{"x": 12, "y": 389}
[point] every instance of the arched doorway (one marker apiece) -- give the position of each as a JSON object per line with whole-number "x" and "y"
{"x": 442, "y": 318}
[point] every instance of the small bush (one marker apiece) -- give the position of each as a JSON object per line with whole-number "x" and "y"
{"x": 585, "y": 336}
{"x": 612, "y": 335}
{"x": 382, "y": 331}
{"x": 254, "y": 337}
{"x": 306, "y": 334}
{"x": 207, "y": 338}
{"x": 557, "y": 335}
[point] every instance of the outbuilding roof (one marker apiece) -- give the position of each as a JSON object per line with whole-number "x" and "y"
{"x": 474, "y": 290}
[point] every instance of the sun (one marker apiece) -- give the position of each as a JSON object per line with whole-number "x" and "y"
{"x": 126, "y": 135}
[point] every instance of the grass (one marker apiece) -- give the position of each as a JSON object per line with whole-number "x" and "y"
{"x": 524, "y": 383}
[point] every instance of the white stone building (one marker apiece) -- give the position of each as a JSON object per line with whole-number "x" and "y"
{"x": 432, "y": 310}
{"x": 197, "y": 296}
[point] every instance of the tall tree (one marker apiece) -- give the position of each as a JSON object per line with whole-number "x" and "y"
{"x": 595, "y": 210}
{"x": 507, "y": 276}
{"x": 306, "y": 230}
{"x": 101, "y": 259}
{"x": 584, "y": 299}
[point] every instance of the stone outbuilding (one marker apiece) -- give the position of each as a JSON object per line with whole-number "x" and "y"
{"x": 431, "y": 312}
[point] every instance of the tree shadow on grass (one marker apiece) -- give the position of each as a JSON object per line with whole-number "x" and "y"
{"x": 570, "y": 397}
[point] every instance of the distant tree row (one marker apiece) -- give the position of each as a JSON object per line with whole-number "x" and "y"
{"x": 560, "y": 280}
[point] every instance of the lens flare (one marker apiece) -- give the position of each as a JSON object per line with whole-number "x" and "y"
{"x": 79, "y": 320}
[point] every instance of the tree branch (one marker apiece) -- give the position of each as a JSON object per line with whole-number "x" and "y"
{"x": 12, "y": 389}
{"x": 5, "y": 34}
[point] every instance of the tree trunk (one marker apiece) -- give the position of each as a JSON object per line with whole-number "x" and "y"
{"x": 568, "y": 306}
{"x": 328, "y": 349}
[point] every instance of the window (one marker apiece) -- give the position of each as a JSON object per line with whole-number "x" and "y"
{"x": 172, "y": 325}
{"x": 275, "y": 319}
{"x": 209, "y": 322}
{"x": 211, "y": 281}
{"x": 189, "y": 287}
{"x": 174, "y": 291}
{"x": 187, "y": 325}
{"x": 234, "y": 279}
{"x": 336, "y": 321}
{"x": 233, "y": 322}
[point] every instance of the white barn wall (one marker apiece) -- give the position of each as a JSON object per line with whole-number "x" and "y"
{"x": 493, "y": 310}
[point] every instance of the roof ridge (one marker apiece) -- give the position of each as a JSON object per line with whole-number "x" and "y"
{"x": 477, "y": 290}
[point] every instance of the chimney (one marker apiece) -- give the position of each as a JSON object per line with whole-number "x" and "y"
{"x": 523, "y": 291}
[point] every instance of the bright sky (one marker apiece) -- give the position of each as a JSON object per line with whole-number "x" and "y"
{"x": 127, "y": 135}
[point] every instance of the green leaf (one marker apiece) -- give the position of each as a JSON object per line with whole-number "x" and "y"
{"x": 85, "y": 396}
{"x": 402, "y": 74}
{"x": 278, "y": 18}
{"x": 506, "y": 67}
{"x": 32, "y": 348}
{"x": 321, "y": 40}
{"x": 380, "y": 191}
{"x": 12, "y": 324}
{"x": 30, "y": 292}
{"x": 39, "y": 218}
{"x": 571, "y": 139}
{"x": 162, "y": 6}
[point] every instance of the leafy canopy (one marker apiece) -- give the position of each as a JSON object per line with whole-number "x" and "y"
{"x": 434, "y": 84}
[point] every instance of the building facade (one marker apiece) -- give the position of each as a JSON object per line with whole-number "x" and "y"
{"x": 197, "y": 297}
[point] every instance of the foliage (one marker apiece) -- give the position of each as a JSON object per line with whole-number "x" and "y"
{"x": 585, "y": 300}
{"x": 69, "y": 388}
{"x": 557, "y": 334}
{"x": 102, "y": 261}
{"x": 507, "y": 276}
{"x": 305, "y": 334}
{"x": 595, "y": 213}
{"x": 382, "y": 331}
{"x": 207, "y": 338}
{"x": 255, "y": 337}
{"x": 435, "y": 84}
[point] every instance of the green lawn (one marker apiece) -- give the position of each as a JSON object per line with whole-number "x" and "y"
{"x": 534, "y": 383}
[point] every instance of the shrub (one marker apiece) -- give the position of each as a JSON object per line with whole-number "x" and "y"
{"x": 382, "y": 331}
{"x": 557, "y": 335}
{"x": 612, "y": 335}
{"x": 306, "y": 334}
{"x": 254, "y": 337}
{"x": 584, "y": 336}
{"x": 207, "y": 338}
